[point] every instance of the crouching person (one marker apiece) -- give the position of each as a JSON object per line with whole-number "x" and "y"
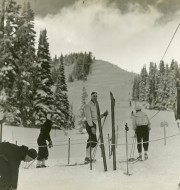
{"x": 11, "y": 156}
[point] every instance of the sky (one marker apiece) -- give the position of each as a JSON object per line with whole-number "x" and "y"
{"x": 128, "y": 33}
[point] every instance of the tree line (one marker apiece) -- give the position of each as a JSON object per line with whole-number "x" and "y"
{"x": 158, "y": 86}
{"x": 28, "y": 86}
{"x": 81, "y": 65}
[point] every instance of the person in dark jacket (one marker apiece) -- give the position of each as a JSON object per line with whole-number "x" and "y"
{"x": 11, "y": 156}
{"x": 43, "y": 137}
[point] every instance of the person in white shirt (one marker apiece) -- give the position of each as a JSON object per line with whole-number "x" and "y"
{"x": 90, "y": 111}
{"x": 141, "y": 126}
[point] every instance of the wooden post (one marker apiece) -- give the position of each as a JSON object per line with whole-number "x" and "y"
{"x": 164, "y": 124}
{"x": 69, "y": 146}
{"x": 1, "y": 128}
{"x": 113, "y": 148}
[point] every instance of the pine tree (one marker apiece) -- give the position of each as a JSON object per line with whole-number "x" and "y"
{"x": 142, "y": 84}
{"x": 17, "y": 63}
{"x": 135, "y": 90}
{"x": 152, "y": 84}
{"x": 58, "y": 106}
{"x": 63, "y": 88}
{"x": 9, "y": 15}
{"x": 24, "y": 49}
{"x": 71, "y": 118}
{"x": 81, "y": 121}
{"x": 44, "y": 94}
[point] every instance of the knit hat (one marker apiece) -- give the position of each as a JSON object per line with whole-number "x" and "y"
{"x": 32, "y": 153}
{"x": 138, "y": 108}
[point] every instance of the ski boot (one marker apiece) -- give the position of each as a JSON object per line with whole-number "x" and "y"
{"x": 145, "y": 156}
{"x": 139, "y": 158}
{"x": 86, "y": 160}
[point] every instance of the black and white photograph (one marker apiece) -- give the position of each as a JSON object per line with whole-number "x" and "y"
{"x": 89, "y": 94}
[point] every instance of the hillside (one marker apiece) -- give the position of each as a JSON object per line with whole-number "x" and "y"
{"x": 160, "y": 171}
{"x": 103, "y": 78}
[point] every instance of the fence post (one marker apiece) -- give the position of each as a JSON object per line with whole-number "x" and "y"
{"x": 69, "y": 144}
{"x": 164, "y": 124}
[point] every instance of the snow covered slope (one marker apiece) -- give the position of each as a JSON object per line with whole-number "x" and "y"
{"x": 160, "y": 171}
{"x": 103, "y": 78}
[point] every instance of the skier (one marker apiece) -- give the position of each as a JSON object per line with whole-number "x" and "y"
{"x": 43, "y": 137}
{"x": 11, "y": 156}
{"x": 91, "y": 120}
{"x": 141, "y": 126}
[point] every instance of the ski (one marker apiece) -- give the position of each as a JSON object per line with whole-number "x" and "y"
{"x": 101, "y": 136}
{"x": 137, "y": 160}
{"x": 113, "y": 148}
{"x": 76, "y": 164}
{"x": 130, "y": 160}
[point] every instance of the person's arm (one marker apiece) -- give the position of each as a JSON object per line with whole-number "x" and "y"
{"x": 134, "y": 123}
{"x": 149, "y": 124}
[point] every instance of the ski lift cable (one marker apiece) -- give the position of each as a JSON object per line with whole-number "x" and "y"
{"x": 170, "y": 42}
{"x": 164, "y": 56}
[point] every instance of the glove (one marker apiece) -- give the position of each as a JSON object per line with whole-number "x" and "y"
{"x": 93, "y": 130}
{"x": 50, "y": 145}
{"x": 105, "y": 113}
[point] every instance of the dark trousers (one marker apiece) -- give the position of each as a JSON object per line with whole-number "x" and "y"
{"x": 92, "y": 137}
{"x": 5, "y": 175}
{"x": 42, "y": 151}
{"x": 142, "y": 133}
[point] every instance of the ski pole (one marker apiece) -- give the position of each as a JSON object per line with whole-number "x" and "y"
{"x": 127, "y": 129}
{"x": 94, "y": 153}
{"x": 30, "y": 164}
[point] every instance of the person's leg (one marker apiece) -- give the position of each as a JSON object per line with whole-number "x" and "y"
{"x": 88, "y": 142}
{"x": 145, "y": 141}
{"x": 139, "y": 137}
{"x": 42, "y": 153}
